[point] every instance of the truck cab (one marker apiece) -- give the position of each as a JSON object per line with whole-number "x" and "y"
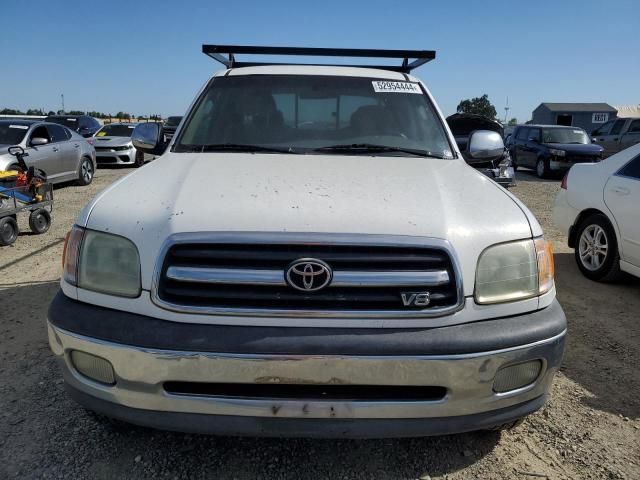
{"x": 309, "y": 256}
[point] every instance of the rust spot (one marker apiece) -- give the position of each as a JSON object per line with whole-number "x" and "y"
{"x": 275, "y": 409}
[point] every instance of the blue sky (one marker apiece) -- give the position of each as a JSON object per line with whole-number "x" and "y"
{"x": 145, "y": 56}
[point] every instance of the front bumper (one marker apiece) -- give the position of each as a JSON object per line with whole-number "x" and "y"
{"x": 559, "y": 164}
{"x": 267, "y": 355}
{"x": 121, "y": 157}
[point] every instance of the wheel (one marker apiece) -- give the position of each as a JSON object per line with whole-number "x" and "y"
{"x": 39, "y": 221}
{"x": 597, "y": 249}
{"x": 85, "y": 172}
{"x": 542, "y": 168}
{"x": 8, "y": 230}
{"x": 139, "y": 161}
{"x": 15, "y": 167}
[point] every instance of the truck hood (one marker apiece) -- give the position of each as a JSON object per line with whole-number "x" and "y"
{"x": 577, "y": 148}
{"x": 213, "y": 192}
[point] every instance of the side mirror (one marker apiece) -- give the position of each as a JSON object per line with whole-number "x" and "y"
{"x": 485, "y": 145}
{"x": 37, "y": 141}
{"x": 148, "y": 137}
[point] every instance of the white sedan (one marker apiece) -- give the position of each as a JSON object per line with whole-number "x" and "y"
{"x": 599, "y": 207}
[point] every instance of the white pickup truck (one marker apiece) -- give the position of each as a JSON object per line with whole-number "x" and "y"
{"x": 311, "y": 256}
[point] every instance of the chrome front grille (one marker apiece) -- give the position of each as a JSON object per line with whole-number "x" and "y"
{"x": 238, "y": 274}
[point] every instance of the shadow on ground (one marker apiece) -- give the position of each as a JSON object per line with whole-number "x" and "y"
{"x": 604, "y": 337}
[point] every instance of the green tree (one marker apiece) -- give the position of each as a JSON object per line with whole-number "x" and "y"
{"x": 479, "y": 106}
{"x": 513, "y": 121}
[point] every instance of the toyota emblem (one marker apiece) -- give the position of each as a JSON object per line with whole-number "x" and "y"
{"x": 308, "y": 275}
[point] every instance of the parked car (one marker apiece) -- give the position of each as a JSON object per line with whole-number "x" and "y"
{"x": 462, "y": 126}
{"x": 83, "y": 124}
{"x": 62, "y": 154}
{"x": 599, "y": 208}
{"x": 113, "y": 145}
{"x": 311, "y": 256}
{"x": 171, "y": 125}
{"x": 617, "y": 135}
{"x": 551, "y": 148}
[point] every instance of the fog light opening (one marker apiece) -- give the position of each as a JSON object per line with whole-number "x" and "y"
{"x": 516, "y": 376}
{"x": 95, "y": 368}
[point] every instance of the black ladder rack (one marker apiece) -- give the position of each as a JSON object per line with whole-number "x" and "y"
{"x": 217, "y": 52}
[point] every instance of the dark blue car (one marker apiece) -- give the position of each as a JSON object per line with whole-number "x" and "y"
{"x": 551, "y": 148}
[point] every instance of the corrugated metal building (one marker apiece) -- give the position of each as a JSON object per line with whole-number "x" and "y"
{"x": 584, "y": 115}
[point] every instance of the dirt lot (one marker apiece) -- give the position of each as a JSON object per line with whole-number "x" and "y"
{"x": 589, "y": 429}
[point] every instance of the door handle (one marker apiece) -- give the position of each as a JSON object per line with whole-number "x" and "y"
{"x": 76, "y": 145}
{"x": 620, "y": 190}
{"x": 55, "y": 149}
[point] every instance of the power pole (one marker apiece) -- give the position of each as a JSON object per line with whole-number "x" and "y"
{"x": 506, "y": 111}
{"x": 62, "y": 96}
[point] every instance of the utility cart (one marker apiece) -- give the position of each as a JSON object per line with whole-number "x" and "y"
{"x": 25, "y": 191}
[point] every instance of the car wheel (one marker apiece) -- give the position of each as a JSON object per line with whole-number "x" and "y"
{"x": 39, "y": 221}
{"x": 85, "y": 172}
{"x": 597, "y": 249}
{"x": 139, "y": 160}
{"x": 542, "y": 168}
{"x": 8, "y": 230}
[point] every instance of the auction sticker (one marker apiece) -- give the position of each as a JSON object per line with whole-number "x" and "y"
{"x": 21, "y": 127}
{"x": 381, "y": 86}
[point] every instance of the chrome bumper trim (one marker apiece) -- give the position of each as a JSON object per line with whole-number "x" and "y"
{"x": 141, "y": 373}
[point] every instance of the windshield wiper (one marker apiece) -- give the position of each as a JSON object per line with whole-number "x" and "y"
{"x": 373, "y": 148}
{"x": 235, "y": 147}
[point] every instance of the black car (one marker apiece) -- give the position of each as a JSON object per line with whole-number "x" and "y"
{"x": 83, "y": 124}
{"x": 462, "y": 125}
{"x": 170, "y": 126}
{"x": 551, "y": 148}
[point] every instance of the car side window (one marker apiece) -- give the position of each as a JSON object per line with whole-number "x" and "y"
{"x": 617, "y": 127}
{"x": 604, "y": 129}
{"x": 634, "y": 127}
{"x": 522, "y": 134}
{"x": 631, "y": 169}
{"x": 534, "y": 134}
{"x": 57, "y": 133}
{"x": 40, "y": 132}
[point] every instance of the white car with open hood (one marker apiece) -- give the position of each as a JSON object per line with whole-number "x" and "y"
{"x": 310, "y": 256}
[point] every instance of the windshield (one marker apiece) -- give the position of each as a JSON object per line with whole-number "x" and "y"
{"x": 12, "y": 133}
{"x": 564, "y": 135}
{"x": 303, "y": 113}
{"x": 173, "y": 121}
{"x": 115, "y": 131}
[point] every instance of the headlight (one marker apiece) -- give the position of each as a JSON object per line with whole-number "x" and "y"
{"x": 514, "y": 271}
{"x": 102, "y": 262}
{"x": 557, "y": 153}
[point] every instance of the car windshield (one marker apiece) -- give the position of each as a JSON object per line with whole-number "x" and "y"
{"x": 70, "y": 122}
{"x": 306, "y": 114}
{"x": 564, "y": 135}
{"x": 115, "y": 131}
{"x": 173, "y": 121}
{"x": 12, "y": 133}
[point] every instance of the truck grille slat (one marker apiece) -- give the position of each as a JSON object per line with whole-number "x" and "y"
{"x": 229, "y": 278}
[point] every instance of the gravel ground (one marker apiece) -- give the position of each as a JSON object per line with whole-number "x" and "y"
{"x": 589, "y": 429}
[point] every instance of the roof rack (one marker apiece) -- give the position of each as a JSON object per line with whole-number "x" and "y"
{"x": 217, "y": 53}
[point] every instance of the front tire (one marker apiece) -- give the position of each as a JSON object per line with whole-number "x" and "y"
{"x": 139, "y": 160}
{"x": 85, "y": 172}
{"x": 542, "y": 168}
{"x": 596, "y": 249}
{"x": 8, "y": 231}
